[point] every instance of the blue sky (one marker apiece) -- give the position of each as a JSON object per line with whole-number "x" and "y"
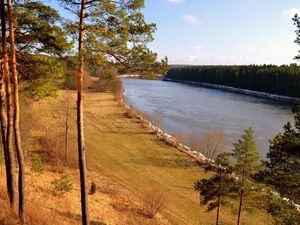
{"x": 224, "y": 31}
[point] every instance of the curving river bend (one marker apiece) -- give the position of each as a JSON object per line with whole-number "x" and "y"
{"x": 194, "y": 109}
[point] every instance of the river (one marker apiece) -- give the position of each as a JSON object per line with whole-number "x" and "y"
{"x": 192, "y": 109}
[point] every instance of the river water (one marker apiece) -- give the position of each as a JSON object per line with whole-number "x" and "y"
{"x": 192, "y": 109}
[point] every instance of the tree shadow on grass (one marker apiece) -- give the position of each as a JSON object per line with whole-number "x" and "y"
{"x": 166, "y": 163}
{"x": 77, "y": 217}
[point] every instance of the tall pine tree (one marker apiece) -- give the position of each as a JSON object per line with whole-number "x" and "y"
{"x": 282, "y": 167}
{"x": 247, "y": 163}
{"x": 220, "y": 185}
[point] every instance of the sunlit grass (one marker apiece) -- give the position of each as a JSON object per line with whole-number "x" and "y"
{"x": 121, "y": 150}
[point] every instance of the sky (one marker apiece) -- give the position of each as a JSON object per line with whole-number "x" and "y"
{"x": 224, "y": 31}
{"x": 209, "y": 32}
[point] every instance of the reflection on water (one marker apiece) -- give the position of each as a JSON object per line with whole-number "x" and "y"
{"x": 194, "y": 109}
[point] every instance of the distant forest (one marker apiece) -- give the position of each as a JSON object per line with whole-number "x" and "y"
{"x": 281, "y": 80}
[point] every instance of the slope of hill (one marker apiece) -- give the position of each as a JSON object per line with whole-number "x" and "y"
{"x": 126, "y": 162}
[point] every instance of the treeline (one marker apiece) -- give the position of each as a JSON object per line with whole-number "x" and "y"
{"x": 280, "y": 80}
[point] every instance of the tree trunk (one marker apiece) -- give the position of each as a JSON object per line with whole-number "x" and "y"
{"x": 3, "y": 117}
{"x": 16, "y": 118}
{"x": 241, "y": 197}
{"x": 81, "y": 146}
{"x": 240, "y": 206}
{"x": 9, "y": 154}
{"x": 219, "y": 198}
{"x": 67, "y": 129}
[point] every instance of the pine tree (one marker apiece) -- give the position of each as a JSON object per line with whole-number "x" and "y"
{"x": 8, "y": 150}
{"x": 220, "y": 185}
{"x": 282, "y": 167}
{"x": 16, "y": 115}
{"x": 105, "y": 30}
{"x": 247, "y": 162}
{"x": 40, "y": 42}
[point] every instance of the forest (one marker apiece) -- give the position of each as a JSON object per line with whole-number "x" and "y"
{"x": 281, "y": 80}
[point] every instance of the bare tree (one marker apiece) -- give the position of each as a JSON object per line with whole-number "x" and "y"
{"x": 195, "y": 142}
{"x": 16, "y": 117}
{"x": 158, "y": 119}
{"x": 212, "y": 143}
{"x": 8, "y": 150}
{"x": 153, "y": 203}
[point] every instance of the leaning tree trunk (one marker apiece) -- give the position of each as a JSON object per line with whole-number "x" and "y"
{"x": 20, "y": 155}
{"x": 81, "y": 146}
{"x": 9, "y": 154}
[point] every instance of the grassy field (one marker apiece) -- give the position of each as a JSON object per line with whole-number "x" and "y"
{"x": 123, "y": 155}
{"x": 119, "y": 148}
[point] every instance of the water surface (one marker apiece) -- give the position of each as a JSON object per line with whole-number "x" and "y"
{"x": 193, "y": 109}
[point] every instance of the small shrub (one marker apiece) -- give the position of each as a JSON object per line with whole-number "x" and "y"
{"x": 61, "y": 170}
{"x": 62, "y": 185}
{"x": 93, "y": 188}
{"x": 153, "y": 202}
{"x": 37, "y": 164}
{"x": 51, "y": 144}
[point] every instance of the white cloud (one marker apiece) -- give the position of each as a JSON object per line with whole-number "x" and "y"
{"x": 291, "y": 12}
{"x": 176, "y": 1}
{"x": 197, "y": 47}
{"x": 190, "y": 19}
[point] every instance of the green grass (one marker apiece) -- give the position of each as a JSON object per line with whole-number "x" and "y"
{"x": 141, "y": 161}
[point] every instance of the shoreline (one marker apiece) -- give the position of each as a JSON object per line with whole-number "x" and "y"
{"x": 172, "y": 141}
{"x": 279, "y": 98}
{"x": 167, "y": 138}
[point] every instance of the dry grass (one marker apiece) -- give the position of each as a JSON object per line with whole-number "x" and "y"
{"x": 124, "y": 159}
{"x": 52, "y": 148}
{"x": 7, "y": 216}
{"x": 36, "y": 215}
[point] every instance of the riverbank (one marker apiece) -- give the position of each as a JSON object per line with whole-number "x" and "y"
{"x": 170, "y": 140}
{"x": 133, "y": 156}
{"x": 125, "y": 160}
{"x": 238, "y": 90}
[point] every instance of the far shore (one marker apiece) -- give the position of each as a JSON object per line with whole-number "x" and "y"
{"x": 279, "y": 98}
